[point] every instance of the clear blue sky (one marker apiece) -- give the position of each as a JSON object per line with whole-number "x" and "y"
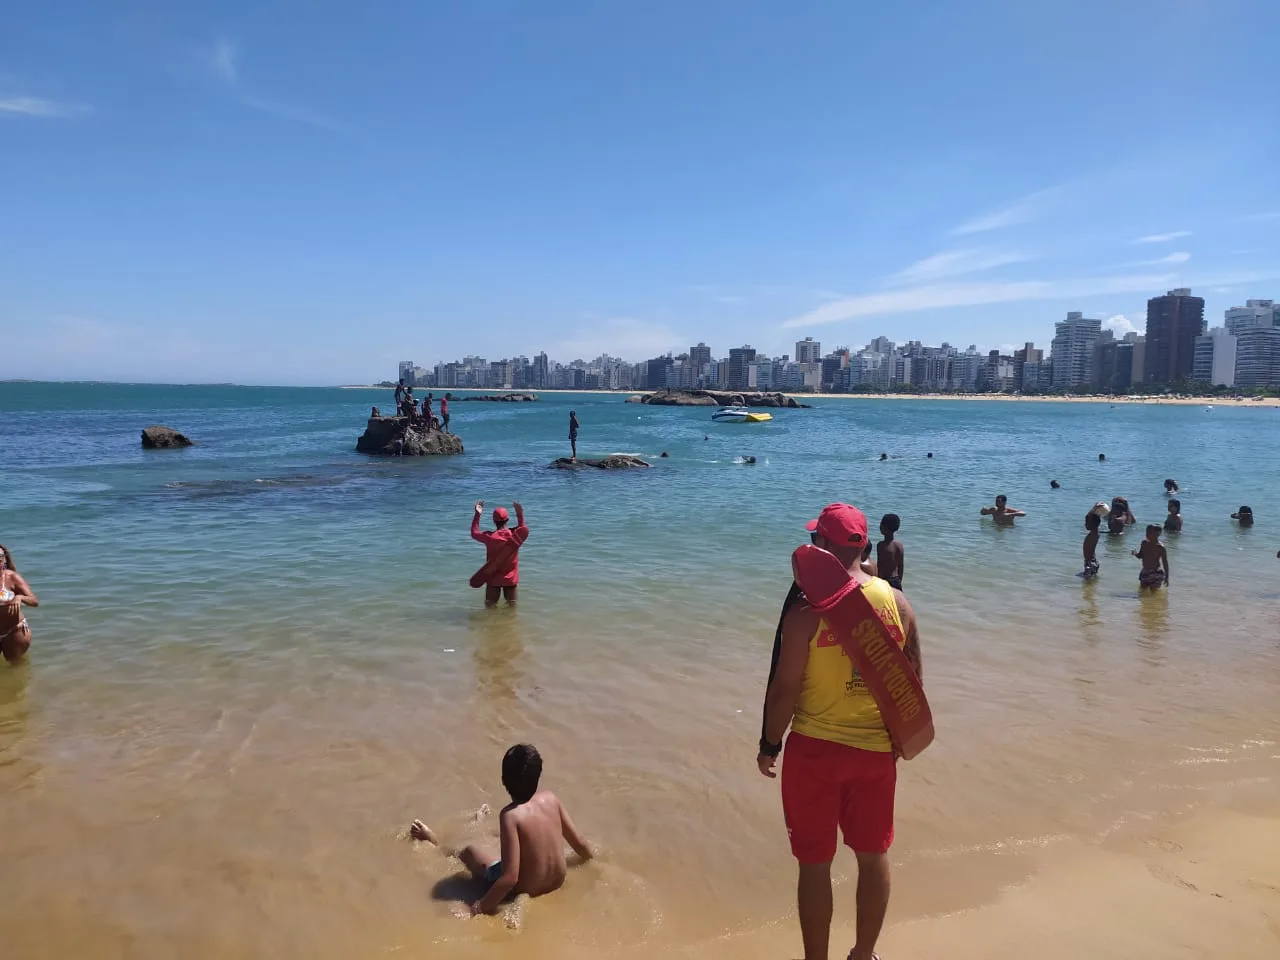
{"x": 307, "y": 192}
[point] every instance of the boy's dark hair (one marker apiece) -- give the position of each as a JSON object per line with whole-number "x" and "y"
{"x": 1175, "y": 506}
{"x": 1002, "y": 497}
{"x": 521, "y": 771}
{"x": 890, "y": 523}
{"x": 1092, "y": 521}
{"x": 1153, "y": 528}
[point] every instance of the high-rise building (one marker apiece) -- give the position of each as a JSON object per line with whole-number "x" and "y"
{"x": 1215, "y": 358}
{"x": 1072, "y": 350}
{"x": 699, "y": 357}
{"x": 1173, "y": 323}
{"x": 739, "y": 358}
{"x": 1254, "y": 313}
{"x": 406, "y": 372}
{"x": 1258, "y": 357}
{"x": 656, "y": 376}
{"x": 808, "y": 350}
{"x": 541, "y": 374}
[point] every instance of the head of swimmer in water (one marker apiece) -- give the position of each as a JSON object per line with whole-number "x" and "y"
{"x": 1243, "y": 515}
{"x": 1171, "y": 486}
{"x": 521, "y": 771}
{"x": 890, "y": 524}
{"x": 500, "y": 517}
{"x": 1001, "y": 500}
{"x": 1175, "y": 507}
{"x": 1153, "y": 532}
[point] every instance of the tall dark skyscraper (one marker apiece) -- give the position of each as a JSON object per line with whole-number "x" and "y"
{"x": 699, "y": 357}
{"x": 739, "y": 357}
{"x": 1173, "y": 323}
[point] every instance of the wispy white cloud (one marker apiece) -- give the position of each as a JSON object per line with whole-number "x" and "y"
{"x": 1162, "y": 237}
{"x": 954, "y": 263}
{"x": 224, "y": 61}
{"x": 1172, "y": 259}
{"x": 38, "y": 107}
{"x": 1019, "y": 211}
{"x": 942, "y": 296}
{"x": 621, "y": 336}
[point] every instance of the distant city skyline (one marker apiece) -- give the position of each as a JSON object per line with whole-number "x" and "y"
{"x": 231, "y": 192}
{"x": 1175, "y": 349}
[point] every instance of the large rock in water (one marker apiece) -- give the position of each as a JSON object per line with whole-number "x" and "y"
{"x": 157, "y": 437}
{"x": 395, "y": 436}
{"x": 716, "y": 398}
{"x": 615, "y": 461}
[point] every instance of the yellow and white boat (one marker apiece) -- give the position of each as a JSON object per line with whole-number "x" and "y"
{"x": 741, "y": 415}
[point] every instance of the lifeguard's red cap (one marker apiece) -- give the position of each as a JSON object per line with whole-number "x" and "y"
{"x": 840, "y": 523}
{"x": 500, "y": 514}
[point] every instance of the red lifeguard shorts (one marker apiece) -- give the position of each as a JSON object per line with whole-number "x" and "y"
{"x": 825, "y": 785}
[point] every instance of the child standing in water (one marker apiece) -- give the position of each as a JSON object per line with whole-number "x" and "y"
{"x": 1155, "y": 560}
{"x": 1092, "y": 523}
{"x": 1173, "y": 522}
{"x": 890, "y": 553}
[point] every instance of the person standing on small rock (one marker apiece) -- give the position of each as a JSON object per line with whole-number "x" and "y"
{"x": 444, "y": 411}
{"x": 573, "y": 434}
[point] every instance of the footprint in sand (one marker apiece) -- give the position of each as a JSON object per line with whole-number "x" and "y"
{"x": 1168, "y": 846}
{"x": 1160, "y": 873}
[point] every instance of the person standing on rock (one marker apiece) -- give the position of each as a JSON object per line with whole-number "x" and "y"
{"x": 500, "y": 574}
{"x": 573, "y": 434}
{"x": 444, "y": 412}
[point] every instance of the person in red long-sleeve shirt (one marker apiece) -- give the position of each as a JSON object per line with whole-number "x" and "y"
{"x": 501, "y": 572}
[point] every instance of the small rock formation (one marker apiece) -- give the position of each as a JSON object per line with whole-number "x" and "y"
{"x": 500, "y": 398}
{"x": 615, "y": 461}
{"x": 157, "y": 437}
{"x": 716, "y": 398}
{"x": 395, "y": 436}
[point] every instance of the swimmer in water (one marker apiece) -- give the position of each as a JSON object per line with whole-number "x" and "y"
{"x": 1120, "y": 517}
{"x": 1102, "y": 457}
{"x": 1002, "y": 513}
{"x": 15, "y": 632}
{"x": 1054, "y": 485}
{"x": 1173, "y": 522}
{"x": 1243, "y": 516}
{"x": 534, "y": 827}
{"x": 884, "y": 456}
{"x": 1155, "y": 560}
{"x": 1170, "y": 487}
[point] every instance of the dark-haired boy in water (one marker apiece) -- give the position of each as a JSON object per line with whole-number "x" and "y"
{"x": 533, "y": 828}
{"x": 890, "y": 553}
{"x": 1092, "y": 523}
{"x": 1173, "y": 522}
{"x": 1155, "y": 560}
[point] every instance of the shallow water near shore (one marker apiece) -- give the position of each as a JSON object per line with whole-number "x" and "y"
{"x": 257, "y": 659}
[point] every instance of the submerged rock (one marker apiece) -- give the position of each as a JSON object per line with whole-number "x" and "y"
{"x": 499, "y": 398}
{"x": 157, "y": 437}
{"x": 395, "y": 436}
{"x": 615, "y": 461}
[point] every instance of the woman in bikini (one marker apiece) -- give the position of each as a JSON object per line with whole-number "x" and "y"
{"x": 15, "y": 633}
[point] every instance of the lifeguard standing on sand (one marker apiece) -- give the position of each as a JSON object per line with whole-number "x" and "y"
{"x": 845, "y": 674}
{"x": 500, "y": 574}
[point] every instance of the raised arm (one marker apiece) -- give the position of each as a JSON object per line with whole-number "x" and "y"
{"x": 510, "y": 866}
{"x": 475, "y": 522}
{"x": 522, "y": 531}
{"x": 572, "y": 836}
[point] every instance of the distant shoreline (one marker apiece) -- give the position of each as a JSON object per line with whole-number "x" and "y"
{"x": 1002, "y": 397}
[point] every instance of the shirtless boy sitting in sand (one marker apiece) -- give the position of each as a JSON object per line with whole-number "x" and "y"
{"x": 534, "y": 828}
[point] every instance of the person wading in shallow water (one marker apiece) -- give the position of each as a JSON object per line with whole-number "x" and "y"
{"x": 502, "y": 552}
{"x": 15, "y": 632}
{"x": 840, "y": 767}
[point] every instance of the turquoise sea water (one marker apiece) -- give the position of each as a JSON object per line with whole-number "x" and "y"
{"x": 268, "y": 626}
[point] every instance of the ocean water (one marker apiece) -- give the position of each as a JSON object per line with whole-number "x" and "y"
{"x": 258, "y": 658}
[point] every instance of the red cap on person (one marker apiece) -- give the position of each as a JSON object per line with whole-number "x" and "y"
{"x": 500, "y": 514}
{"x": 841, "y": 524}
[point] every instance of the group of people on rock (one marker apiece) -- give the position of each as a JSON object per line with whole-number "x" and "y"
{"x": 407, "y": 406}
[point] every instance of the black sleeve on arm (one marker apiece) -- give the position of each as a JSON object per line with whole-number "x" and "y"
{"x": 794, "y": 596}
